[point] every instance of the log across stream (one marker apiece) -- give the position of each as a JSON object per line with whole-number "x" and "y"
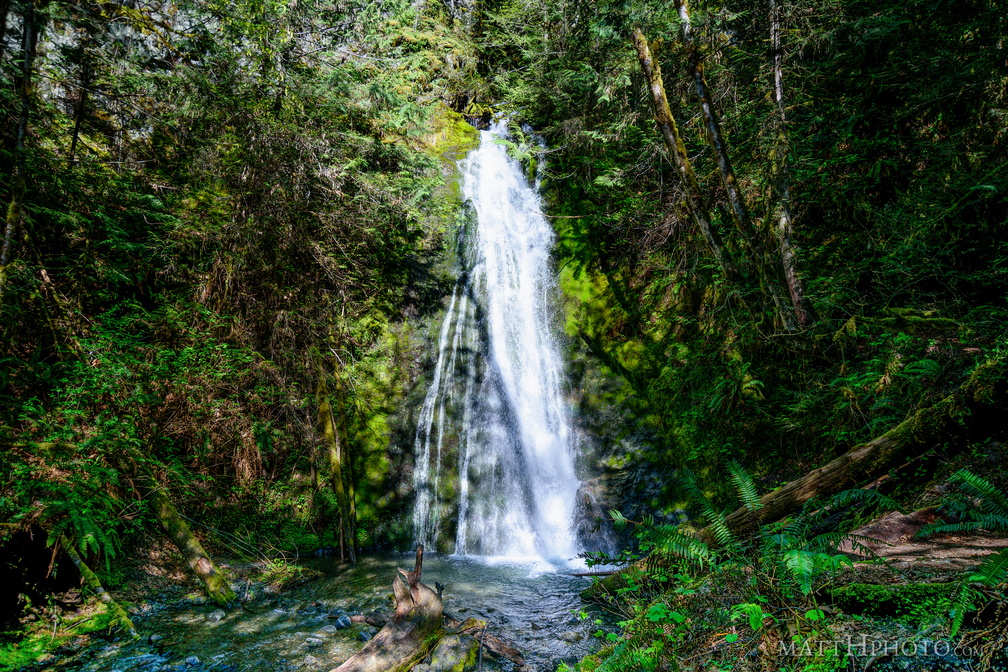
{"x": 533, "y": 607}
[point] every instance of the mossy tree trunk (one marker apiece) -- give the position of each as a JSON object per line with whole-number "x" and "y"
{"x": 980, "y": 401}
{"x": 214, "y": 580}
{"x": 677, "y": 150}
{"x": 333, "y": 451}
{"x": 85, "y": 84}
{"x": 781, "y": 177}
{"x": 756, "y": 257}
{"x": 13, "y": 218}
{"x": 91, "y": 581}
{"x": 347, "y": 460}
{"x": 4, "y": 11}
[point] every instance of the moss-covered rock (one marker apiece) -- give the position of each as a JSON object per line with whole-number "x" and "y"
{"x": 454, "y": 653}
{"x": 451, "y": 136}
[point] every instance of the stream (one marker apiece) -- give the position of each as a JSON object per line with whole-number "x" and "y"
{"x": 531, "y": 605}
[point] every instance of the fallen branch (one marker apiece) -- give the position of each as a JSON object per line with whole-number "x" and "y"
{"x": 499, "y": 648}
{"x": 496, "y": 646}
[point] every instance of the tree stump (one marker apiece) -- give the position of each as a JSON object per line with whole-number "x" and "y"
{"x": 415, "y": 628}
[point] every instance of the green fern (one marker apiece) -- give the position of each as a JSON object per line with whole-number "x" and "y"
{"x": 787, "y": 551}
{"x": 745, "y": 487}
{"x": 686, "y": 548}
{"x": 618, "y": 519}
{"x": 993, "y": 506}
{"x": 983, "y": 507}
{"x": 993, "y": 571}
{"x": 715, "y": 519}
{"x": 801, "y": 564}
{"x": 859, "y": 496}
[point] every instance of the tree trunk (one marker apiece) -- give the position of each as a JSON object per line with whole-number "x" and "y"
{"x": 980, "y": 400}
{"x": 79, "y": 113}
{"x": 216, "y": 583}
{"x": 781, "y": 178}
{"x": 412, "y": 632}
{"x": 673, "y": 141}
{"x": 736, "y": 200}
{"x": 28, "y": 40}
{"x": 740, "y": 214}
{"x": 347, "y": 459}
{"x": 91, "y": 581}
{"x": 333, "y": 452}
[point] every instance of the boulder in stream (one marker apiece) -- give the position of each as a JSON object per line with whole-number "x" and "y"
{"x": 216, "y": 615}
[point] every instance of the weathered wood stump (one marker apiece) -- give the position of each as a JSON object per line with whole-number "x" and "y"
{"x": 415, "y": 628}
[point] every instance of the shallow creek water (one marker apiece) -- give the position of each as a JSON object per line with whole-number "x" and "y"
{"x": 530, "y": 605}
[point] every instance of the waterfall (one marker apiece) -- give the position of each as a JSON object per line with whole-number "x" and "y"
{"x": 496, "y": 389}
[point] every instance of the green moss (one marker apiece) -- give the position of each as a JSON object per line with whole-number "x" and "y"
{"x": 912, "y": 603}
{"x": 429, "y": 642}
{"x": 36, "y": 644}
{"x": 451, "y": 137}
{"x": 587, "y": 302}
{"x": 592, "y": 662}
{"x": 455, "y": 653}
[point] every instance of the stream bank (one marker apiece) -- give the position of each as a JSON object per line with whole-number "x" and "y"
{"x": 317, "y": 625}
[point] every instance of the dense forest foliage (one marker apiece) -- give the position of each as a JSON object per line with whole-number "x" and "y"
{"x": 221, "y": 222}
{"x": 903, "y": 278}
{"x": 227, "y": 223}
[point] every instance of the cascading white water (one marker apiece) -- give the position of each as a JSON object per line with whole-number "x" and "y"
{"x": 497, "y": 380}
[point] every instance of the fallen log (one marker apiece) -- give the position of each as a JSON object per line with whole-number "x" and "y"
{"x": 971, "y": 412}
{"x": 90, "y": 579}
{"x": 214, "y": 580}
{"x": 980, "y": 400}
{"x": 413, "y": 631}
